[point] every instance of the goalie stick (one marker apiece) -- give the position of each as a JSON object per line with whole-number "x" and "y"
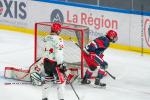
{"x": 30, "y": 68}
{"x": 17, "y": 83}
{"x": 113, "y": 77}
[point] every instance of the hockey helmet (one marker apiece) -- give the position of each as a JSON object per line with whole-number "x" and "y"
{"x": 56, "y": 27}
{"x": 112, "y": 36}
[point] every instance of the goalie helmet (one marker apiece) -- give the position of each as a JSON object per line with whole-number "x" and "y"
{"x": 56, "y": 28}
{"x": 112, "y": 36}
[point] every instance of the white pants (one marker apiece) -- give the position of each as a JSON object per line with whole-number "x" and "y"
{"x": 60, "y": 90}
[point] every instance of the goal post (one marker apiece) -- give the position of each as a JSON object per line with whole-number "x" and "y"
{"x": 73, "y": 55}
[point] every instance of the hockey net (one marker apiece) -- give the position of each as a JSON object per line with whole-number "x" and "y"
{"x": 73, "y": 56}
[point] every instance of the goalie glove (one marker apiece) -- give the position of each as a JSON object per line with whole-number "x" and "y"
{"x": 36, "y": 79}
{"x": 104, "y": 65}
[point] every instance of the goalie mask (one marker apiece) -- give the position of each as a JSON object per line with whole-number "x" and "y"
{"x": 56, "y": 28}
{"x": 112, "y": 36}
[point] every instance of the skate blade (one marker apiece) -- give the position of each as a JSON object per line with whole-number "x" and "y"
{"x": 97, "y": 86}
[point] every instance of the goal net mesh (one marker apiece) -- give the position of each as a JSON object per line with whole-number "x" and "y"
{"x": 72, "y": 53}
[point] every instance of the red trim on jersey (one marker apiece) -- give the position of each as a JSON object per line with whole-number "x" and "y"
{"x": 51, "y": 50}
{"x": 90, "y": 60}
{"x": 100, "y": 43}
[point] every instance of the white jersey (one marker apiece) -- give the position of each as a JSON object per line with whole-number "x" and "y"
{"x": 53, "y": 49}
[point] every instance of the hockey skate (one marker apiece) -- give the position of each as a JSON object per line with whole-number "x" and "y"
{"x": 99, "y": 84}
{"x": 85, "y": 81}
{"x": 45, "y": 99}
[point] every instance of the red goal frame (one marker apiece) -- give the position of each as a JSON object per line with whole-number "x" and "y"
{"x": 82, "y": 32}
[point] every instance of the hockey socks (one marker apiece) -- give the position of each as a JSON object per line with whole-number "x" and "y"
{"x": 88, "y": 75}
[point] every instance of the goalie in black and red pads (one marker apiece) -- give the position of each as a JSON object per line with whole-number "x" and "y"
{"x": 93, "y": 54}
{"x": 50, "y": 65}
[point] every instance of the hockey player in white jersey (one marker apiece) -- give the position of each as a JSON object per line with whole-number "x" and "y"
{"x": 51, "y": 64}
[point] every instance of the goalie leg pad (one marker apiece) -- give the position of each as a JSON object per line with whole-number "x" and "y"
{"x": 60, "y": 76}
{"x": 71, "y": 78}
{"x": 17, "y": 74}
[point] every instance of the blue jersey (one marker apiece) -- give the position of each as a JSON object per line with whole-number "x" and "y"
{"x": 98, "y": 45}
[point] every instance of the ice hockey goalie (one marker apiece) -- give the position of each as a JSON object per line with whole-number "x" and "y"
{"x": 46, "y": 65}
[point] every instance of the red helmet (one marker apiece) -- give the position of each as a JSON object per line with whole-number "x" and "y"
{"x": 56, "y": 27}
{"x": 112, "y": 36}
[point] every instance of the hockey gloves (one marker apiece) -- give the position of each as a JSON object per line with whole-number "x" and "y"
{"x": 104, "y": 65}
{"x": 63, "y": 68}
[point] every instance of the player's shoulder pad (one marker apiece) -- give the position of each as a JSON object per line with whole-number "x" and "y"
{"x": 102, "y": 38}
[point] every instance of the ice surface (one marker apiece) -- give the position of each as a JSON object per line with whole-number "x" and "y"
{"x": 131, "y": 69}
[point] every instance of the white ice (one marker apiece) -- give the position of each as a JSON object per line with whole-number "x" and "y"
{"x": 131, "y": 69}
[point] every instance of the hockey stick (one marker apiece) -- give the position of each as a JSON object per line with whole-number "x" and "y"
{"x": 72, "y": 87}
{"x": 75, "y": 43}
{"x": 35, "y": 62}
{"x": 24, "y": 83}
{"x": 17, "y": 83}
{"x": 113, "y": 77}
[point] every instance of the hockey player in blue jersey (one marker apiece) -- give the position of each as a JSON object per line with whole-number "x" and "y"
{"x": 93, "y": 55}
